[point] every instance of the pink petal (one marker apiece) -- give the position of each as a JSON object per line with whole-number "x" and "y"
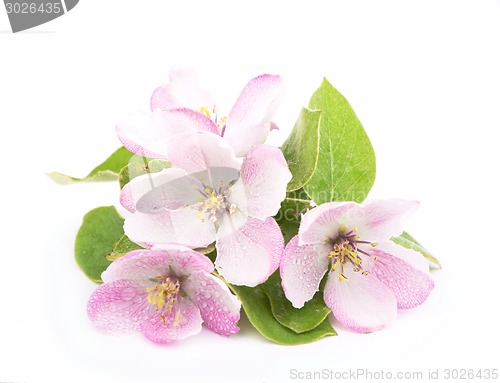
{"x": 219, "y": 308}
{"x": 265, "y": 175}
{"x": 249, "y": 121}
{"x": 166, "y": 260}
{"x": 141, "y": 133}
{"x": 183, "y": 91}
{"x": 410, "y": 286}
{"x": 118, "y": 307}
{"x": 181, "y": 226}
{"x": 413, "y": 258}
{"x": 172, "y": 195}
{"x": 323, "y": 222}
{"x": 362, "y": 303}
{"x": 149, "y": 134}
{"x": 383, "y": 219}
{"x": 167, "y": 330}
{"x": 248, "y": 255}
{"x": 301, "y": 269}
{"x": 200, "y": 151}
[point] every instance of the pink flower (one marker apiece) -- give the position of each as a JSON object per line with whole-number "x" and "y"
{"x": 369, "y": 276}
{"x": 166, "y": 294}
{"x": 211, "y": 195}
{"x": 182, "y": 106}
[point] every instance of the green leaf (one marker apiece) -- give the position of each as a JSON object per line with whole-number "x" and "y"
{"x": 300, "y": 320}
{"x": 258, "y": 309}
{"x": 288, "y": 217}
{"x": 122, "y": 247}
{"x": 101, "y": 229}
{"x": 346, "y": 163}
{"x": 107, "y": 171}
{"x": 302, "y": 147}
{"x": 139, "y": 166}
{"x": 408, "y": 242}
{"x": 206, "y": 250}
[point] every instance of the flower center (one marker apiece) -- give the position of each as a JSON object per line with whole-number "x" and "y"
{"x": 346, "y": 252}
{"x": 219, "y": 122}
{"x": 164, "y": 296}
{"x": 214, "y": 203}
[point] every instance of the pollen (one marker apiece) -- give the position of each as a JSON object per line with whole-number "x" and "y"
{"x": 347, "y": 251}
{"x": 213, "y": 203}
{"x": 164, "y": 295}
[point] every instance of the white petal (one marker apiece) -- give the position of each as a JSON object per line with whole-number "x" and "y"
{"x": 265, "y": 175}
{"x": 413, "y": 258}
{"x": 170, "y": 188}
{"x": 249, "y": 121}
{"x": 410, "y": 285}
{"x": 248, "y": 255}
{"x": 180, "y": 226}
{"x": 362, "y": 302}
{"x": 301, "y": 269}
{"x": 196, "y": 152}
{"x": 148, "y": 134}
{"x": 383, "y": 219}
{"x": 323, "y": 222}
{"x": 183, "y": 91}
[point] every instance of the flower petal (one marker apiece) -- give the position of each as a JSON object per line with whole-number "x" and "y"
{"x": 323, "y": 222}
{"x": 410, "y": 286}
{"x": 147, "y": 134}
{"x": 301, "y": 270}
{"x": 173, "y": 189}
{"x": 141, "y": 265}
{"x": 248, "y": 255}
{"x": 183, "y": 91}
{"x": 181, "y": 226}
{"x": 265, "y": 175}
{"x": 362, "y": 302}
{"x": 383, "y": 219}
{"x": 118, "y": 307}
{"x": 201, "y": 151}
{"x": 249, "y": 121}
{"x": 219, "y": 308}
{"x": 170, "y": 328}
{"x": 413, "y": 258}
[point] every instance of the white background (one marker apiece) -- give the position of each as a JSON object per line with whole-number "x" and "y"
{"x": 423, "y": 77}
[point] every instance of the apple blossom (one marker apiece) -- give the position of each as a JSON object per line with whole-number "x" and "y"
{"x": 211, "y": 195}
{"x": 183, "y": 106}
{"x": 166, "y": 294}
{"x": 369, "y": 277}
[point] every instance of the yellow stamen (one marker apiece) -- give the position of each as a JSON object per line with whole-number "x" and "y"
{"x": 205, "y": 111}
{"x": 163, "y": 294}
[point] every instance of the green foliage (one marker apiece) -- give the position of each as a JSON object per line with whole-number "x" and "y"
{"x": 301, "y": 148}
{"x": 346, "y": 161}
{"x": 101, "y": 229}
{"x": 407, "y": 241}
{"x": 258, "y": 309}
{"x": 107, "y": 171}
{"x": 300, "y": 320}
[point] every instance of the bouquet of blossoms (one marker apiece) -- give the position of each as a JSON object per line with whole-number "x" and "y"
{"x": 216, "y": 220}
